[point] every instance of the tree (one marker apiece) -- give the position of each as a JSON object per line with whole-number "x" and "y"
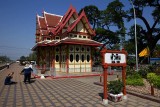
{"x": 22, "y": 58}
{"x": 32, "y": 56}
{"x": 93, "y": 15}
{"x": 156, "y": 52}
{"x": 103, "y": 22}
{"x": 141, "y": 39}
{"x": 150, "y": 34}
{"x": 4, "y": 59}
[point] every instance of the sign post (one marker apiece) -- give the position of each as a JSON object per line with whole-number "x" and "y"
{"x": 113, "y": 58}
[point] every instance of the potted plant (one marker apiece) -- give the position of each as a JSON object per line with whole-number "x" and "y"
{"x": 115, "y": 90}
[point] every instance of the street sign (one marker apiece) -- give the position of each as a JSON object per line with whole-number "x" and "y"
{"x": 114, "y": 58}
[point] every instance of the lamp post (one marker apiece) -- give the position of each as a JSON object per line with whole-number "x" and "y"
{"x": 135, "y": 31}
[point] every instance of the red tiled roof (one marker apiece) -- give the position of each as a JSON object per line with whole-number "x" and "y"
{"x": 37, "y": 32}
{"x": 71, "y": 11}
{"x": 44, "y": 32}
{"x": 52, "y": 23}
{"x": 42, "y": 23}
{"x": 51, "y": 19}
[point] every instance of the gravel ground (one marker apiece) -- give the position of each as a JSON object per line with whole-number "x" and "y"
{"x": 146, "y": 89}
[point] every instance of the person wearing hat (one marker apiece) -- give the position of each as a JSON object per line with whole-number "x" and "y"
{"x": 27, "y": 73}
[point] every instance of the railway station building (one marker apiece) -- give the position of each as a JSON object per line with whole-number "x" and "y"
{"x": 65, "y": 43}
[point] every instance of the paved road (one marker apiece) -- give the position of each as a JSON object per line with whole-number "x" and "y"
{"x": 77, "y": 92}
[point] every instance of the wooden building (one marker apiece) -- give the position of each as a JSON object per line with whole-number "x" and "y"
{"x": 65, "y": 43}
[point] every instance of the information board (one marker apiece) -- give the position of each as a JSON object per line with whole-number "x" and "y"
{"x": 114, "y": 58}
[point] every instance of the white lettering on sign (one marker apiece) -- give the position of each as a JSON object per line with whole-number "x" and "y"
{"x": 112, "y": 58}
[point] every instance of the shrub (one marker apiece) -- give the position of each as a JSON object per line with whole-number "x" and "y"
{"x": 151, "y": 78}
{"x": 154, "y": 80}
{"x": 135, "y": 80}
{"x": 134, "y": 75}
{"x": 129, "y": 71}
{"x": 115, "y": 87}
{"x": 143, "y": 73}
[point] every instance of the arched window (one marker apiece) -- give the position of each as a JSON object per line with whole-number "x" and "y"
{"x": 71, "y": 58}
{"x": 57, "y": 58}
{"x": 77, "y": 58}
{"x": 82, "y": 49}
{"x": 77, "y": 48}
{"x": 82, "y": 57}
{"x": 88, "y": 58}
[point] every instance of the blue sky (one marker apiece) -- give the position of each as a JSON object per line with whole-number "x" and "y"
{"x": 18, "y": 20}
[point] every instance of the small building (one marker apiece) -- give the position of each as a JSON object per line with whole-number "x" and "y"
{"x": 64, "y": 43}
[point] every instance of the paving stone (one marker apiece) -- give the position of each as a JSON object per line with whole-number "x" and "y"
{"x": 76, "y": 92}
{"x": 58, "y": 104}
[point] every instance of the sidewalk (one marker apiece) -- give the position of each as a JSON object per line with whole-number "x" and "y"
{"x": 76, "y": 92}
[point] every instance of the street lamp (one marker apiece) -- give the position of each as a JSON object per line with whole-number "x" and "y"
{"x": 135, "y": 31}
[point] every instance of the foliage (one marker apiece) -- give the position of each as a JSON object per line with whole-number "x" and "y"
{"x": 129, "y": 71}
{"x": 31, "y": 57}
{"x": 109, "y": 25}
{"x": 93, "y": 14}
{"x": 102, "y": 21}
{"x": 102, "y": 36}
{"x": 131, "y": 61}
{"x": 144, "y": 70}
{"x": 154, "y": 79}
{"x": 134, "y": 75}
{"x": 135, "y": 79}
{"x": 143, "y": 73}
{"x": 115, "y": 87}
{"x": 156, "y": 52}
{"x": 149, "y": 34}
{"x": 4, "y": 59}
{"x": 135, "y": 82}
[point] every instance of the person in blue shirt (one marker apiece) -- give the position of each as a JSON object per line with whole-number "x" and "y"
{"x": 8, "y": 79}
{"x": 27, "y": 73}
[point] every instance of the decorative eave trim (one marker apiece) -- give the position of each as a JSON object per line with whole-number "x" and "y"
{"x": 65, "y": 19}
{"x": 78, "y": 20}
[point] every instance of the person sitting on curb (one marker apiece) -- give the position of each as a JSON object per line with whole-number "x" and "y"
{"x": 8, "y": 79}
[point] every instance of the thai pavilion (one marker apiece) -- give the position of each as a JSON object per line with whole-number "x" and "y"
{"x": 64, "y": 43}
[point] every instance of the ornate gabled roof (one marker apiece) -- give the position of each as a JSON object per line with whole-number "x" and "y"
{"x": 85, "y": 21}
{"x": 71, "y": 12}
{"x": 55, "y": 23}
{"x": 41, "y": 22}
{"x": 52, "y": 19}
{"x": 52, "y": 24}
